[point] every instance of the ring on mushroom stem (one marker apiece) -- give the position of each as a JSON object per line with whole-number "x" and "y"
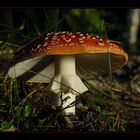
{"x": 61, "y": 58}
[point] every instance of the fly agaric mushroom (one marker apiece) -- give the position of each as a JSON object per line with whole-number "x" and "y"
{"x": 57, "y": 58}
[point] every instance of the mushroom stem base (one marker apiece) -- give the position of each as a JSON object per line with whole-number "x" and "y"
{"x": 66, "y": 100}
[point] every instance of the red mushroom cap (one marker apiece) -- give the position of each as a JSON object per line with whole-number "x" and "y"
{"x": 91, "y": 51}
{"x": 65, "y": 43}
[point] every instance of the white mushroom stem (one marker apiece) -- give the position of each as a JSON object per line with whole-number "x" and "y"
{"x": 66, "y": 82}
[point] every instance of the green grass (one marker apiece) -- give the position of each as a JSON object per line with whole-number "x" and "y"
{"x": 29, "y": 109}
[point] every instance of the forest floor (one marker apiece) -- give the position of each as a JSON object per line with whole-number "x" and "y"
{"x": 107, "y": 106}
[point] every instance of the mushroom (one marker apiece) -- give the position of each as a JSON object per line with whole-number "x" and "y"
{"x": 61, "y": 58}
